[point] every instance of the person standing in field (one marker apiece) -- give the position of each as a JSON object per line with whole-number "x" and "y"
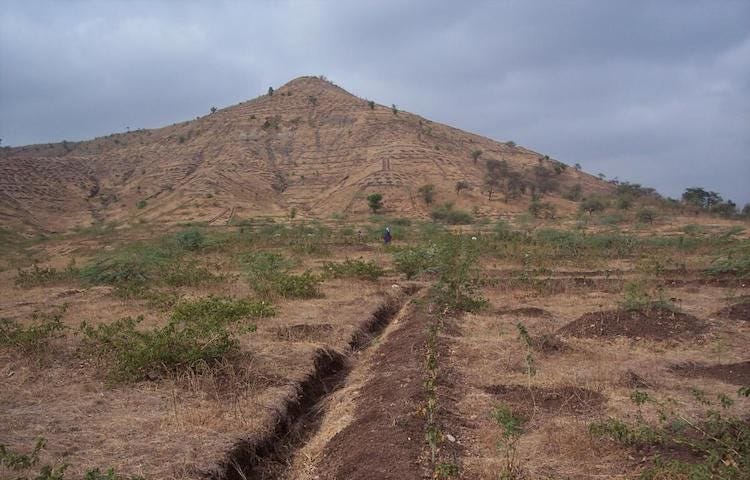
{"x": 387, "y": 236}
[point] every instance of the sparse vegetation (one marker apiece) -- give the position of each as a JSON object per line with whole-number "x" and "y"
{"x": 427, "y": 192}
{"x": 349, "y": 268}
{"x": 447, "y": 214}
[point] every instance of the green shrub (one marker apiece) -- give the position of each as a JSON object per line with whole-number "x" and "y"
{"x": 191, "y": 239}
{"x": 735, "y": 261}
{"x": 447, "y": 214}
{"x": 186, "y": 274}
{"x": 220, "y": 311}
{"x": 302, "y": 286}
{"x": 199, "y": 333}
{"x": 364, "y": 270}
{"x": 413, "y": 261}
{"x": 36, "y": 337}
{"x": 645, "y": 215}
{"x": 142, "y": 203}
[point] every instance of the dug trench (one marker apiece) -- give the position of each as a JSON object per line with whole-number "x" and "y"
{"x": 298, "y": 419}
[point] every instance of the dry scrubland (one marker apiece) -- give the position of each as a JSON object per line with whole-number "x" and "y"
{"x": 304, "y": 350}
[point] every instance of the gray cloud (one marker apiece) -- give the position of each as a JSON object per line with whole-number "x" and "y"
{"x": 652, "y": 92}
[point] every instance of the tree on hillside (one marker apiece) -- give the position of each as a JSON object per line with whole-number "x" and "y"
{"x": 394, "y": 109}
{"x": 461, "y": 185}
{"x": 578, "y": 167}
{"x": 493, "y": 177}
{"x": 574, "y": 193}
{"x": 213, "y": 109}
{"x": 593, "y": 204}
{"x": 701, "y": 198}
{"x": 746, "y": 211}
{"x": 371, "y": 104}
{"x": 427, "y": 192}
{"x": 375, "y": 202}
{"x": 270, "y": 91}
{"x": 645, "y": 215}
{"x": 475, "y": 155}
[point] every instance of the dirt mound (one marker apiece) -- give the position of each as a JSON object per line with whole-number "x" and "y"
{"x": 566, "y": 399}
{"x": 532, "y": 312}
{"x": 734, "y": 373}
{"x": 738, "y": 311}
{"x": 305, "y": 332}
{"x": 653, "y": 323}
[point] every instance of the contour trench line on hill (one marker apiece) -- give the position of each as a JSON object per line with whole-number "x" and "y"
{"x": 300, "y": 418}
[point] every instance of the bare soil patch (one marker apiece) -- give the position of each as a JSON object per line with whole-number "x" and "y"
{"x": 565, "y": 399}
{"x": 738, "y": 311}
{"x": 653, "y": 323}
{"x": 734, "y": 373}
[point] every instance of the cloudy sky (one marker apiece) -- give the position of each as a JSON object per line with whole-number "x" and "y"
{"x": 655, "y": 92}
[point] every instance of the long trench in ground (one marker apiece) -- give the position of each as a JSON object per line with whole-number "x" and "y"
{"x": 268, "y": 457}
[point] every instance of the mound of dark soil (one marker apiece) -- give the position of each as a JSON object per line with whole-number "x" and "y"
{"x": 532, "y": 312}
{"x": 738, "y": 311}
{"x": 567, "y": 399}
{"x": 654, "y": 323}
{"x": 305, "y": 332}
{"x": 734, "y": 373}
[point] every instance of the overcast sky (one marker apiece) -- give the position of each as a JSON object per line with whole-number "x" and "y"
{"x": 655, "y": 92}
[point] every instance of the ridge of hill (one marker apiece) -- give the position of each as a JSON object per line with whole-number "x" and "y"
{"x": 310, "y": 146}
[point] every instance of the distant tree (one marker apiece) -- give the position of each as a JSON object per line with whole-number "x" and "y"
{"x": 292, "y": 213}
{"x": 515, "y": 186}
{"x": 574, "y": 193}
{"x": 313, "y": 100}
{"x": 495, "y": 171}
{"x": 270, "y": 91}
{"x": 461, "y": 185}
{"x": 475, "y": 155}
{"x": 578, "y": 167}
{"x": 394, "y": 109}
{"x": 593, "y": 204}
{"x": 701, "y": 198}
{"x": 746, "y": 211}
{"x": 542, "y": 210}
{"x": 375, "y": 202}
{"x": 645, "y": 215}
{"x": 601, "y": 176}
{"x": 371, "y": 104}
{"x": 427, "y": 192}
{"x": 511, "y": 143}
{"x": 213, "y": 109}
{"x": 725, "y": 209}
{"x": 624, "y": 202}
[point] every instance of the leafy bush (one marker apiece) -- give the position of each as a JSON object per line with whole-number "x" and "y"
{"x": 413, "y": 261}
{"x": 645, "y": 215}
{"x": 447, "y": 214}
{"x": 184, "y": 274}
{"x": 36, "y": 337}
{"x": 198, "y": 333}
{"x": 191, "y": 239}
{"x": 142, "y": 203}
{"x": 267, "y": 275}
{"x": 735, "y": 261}
{"x": 592, "y": 205}
{"x": 353, "y": 269}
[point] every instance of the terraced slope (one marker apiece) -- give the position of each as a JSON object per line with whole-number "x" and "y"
{"x": 311, "y": 146}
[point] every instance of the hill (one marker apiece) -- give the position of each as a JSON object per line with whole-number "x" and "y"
{"x": 310, "y": 146}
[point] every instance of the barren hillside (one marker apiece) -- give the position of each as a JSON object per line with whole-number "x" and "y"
{"x": 310, "y": 146}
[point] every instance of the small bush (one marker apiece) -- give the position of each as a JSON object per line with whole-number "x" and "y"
{"x": 198, "y": 333}
{"x": 353, "y": 269}
{"x": 35, "y": 338}
{"x": 142, "y": 203}
{"x": 413, "y": 261}
{"x": 191, "y": 239}
{"x": 302, "y": 286}
{"x": 645, "y": 215}
{"x": 447, "y": 214}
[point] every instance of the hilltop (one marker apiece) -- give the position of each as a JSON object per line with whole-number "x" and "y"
{"x": 310, "y": 146}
